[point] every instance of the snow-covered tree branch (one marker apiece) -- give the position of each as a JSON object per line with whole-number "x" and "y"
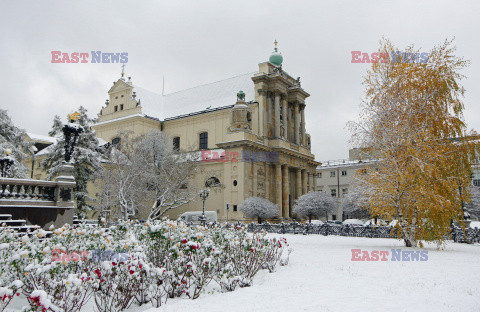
{"x": 314, "y": 205}
{"x": 259, "y": 208}
{"x": 12, "y": 139}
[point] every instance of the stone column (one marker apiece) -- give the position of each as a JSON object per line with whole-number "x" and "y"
{"x": 285, "y": 118}
{"x": 254, "y": 179}
{"x": 304, "y": 181}
{"x": 303, "y": 139}
{"x": 285, "y": 191}
{"x": 297, "y": 124}
{"x": 278, "y": 187}
{"x": 299, "y": 183}
{"x": 310, "y": 182}
{"x": 262, "y": 112}
{"x": 315, "y": 182}
{"x": 277, "y": 115}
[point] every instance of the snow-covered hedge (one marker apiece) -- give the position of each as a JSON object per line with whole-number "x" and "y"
{"x": 130, "y": 264}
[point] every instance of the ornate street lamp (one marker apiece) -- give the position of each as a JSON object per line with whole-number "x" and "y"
{"x": 6, "y": 162}
{"x": 203, "y": 196}
{"x": 71, "y": 132}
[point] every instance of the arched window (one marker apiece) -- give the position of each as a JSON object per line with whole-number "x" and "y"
{"x": 116, "y": 142}
{"x": 203, "y": 140}
{"x": 212, "y": 182}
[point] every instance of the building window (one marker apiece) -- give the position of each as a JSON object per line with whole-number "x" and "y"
{"x": 234, "y": 207}
{"x": 333, "y": 192}
{"x": 320, "y": 175}
{"x": 121, "y": 106}
{"x": 344, "y": 191}
{"x": 212, "y": 182}
{"x": 344, "y": 172}
{"x": 234, "y": 182}
{"x": 115, "y": 108}
{"x": 476, "y": 182}
{"x": 122, "y": 95}
{"x": 204, "y": 140}
{"x": 116, "y": 142}
{"x": 249, "y": 117}
{"x": 332, "y": 174}
{"x": 176, "y": 144}
{"x": 334, "y": 217}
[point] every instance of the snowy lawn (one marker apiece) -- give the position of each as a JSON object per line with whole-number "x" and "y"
{"x": 322, "y": 277}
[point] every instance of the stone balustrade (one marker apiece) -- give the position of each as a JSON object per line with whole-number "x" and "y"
{"x": 38, "y": 202}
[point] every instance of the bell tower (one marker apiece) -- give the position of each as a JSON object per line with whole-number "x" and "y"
{"x": 281, "y": 102}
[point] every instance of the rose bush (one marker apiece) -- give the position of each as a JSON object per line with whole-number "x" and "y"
{"x": 130, "y": 263}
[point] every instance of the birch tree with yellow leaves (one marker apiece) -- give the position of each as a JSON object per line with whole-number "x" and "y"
{"x": 411, "y": 121}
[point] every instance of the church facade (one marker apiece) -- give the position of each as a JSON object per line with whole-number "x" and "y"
{"x": 249, "y": 131}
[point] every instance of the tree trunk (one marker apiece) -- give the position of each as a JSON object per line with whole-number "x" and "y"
{"x": 310, "y": 219}
{"x": 259, "y": 220}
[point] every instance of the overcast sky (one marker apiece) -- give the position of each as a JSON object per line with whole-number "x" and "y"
{"x": 197, "y": 42}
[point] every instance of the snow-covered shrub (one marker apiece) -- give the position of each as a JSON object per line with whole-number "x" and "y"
{"x": 259, "y": 207}
{"x": 314, "y": 204}
{"x": 130, "y": 263}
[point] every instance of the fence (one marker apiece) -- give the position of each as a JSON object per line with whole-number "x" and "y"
{"x": 458, "y": 234}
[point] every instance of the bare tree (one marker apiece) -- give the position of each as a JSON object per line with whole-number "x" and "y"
{"x": 314, "y": 205}
{"x": 353, "y": 204}
{"x": 123, "y": 179}
{"x": 166, "y": 173}
{"x": 259, "y": 207}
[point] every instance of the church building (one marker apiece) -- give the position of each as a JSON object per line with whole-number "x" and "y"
{"x": 249, "y": 129}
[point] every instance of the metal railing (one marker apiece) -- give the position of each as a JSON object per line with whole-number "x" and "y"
{"x": 458, "y": 235}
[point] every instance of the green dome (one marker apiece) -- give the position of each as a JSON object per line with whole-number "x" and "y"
{"x": 276, "y": 58}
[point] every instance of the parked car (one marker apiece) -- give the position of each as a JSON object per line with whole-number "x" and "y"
{"x": 195, "y": 216}
{"x": 475, "y": 224}
{"x": 316, "y": 222}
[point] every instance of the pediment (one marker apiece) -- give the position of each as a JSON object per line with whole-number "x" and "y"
{"x": 120, "y": 85}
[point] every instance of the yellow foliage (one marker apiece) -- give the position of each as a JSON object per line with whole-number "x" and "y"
{"x": 412, "y": 123}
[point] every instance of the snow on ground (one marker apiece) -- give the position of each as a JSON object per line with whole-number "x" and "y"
{"x": 322, "y": 277}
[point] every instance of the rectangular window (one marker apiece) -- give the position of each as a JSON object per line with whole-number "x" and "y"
{"x": 115, "y": 108}
{"x": 344, "y": 172}
{"x": 334, "y": 217}
{"x": 319, "y": 175}
{"x": 333, "y": 192}
{"x": 176, "y": 144}
{"x": 476, "y": 182}
{"x": 121, "y": 106}
{"x": 344, "y": 191}
{"x": 234, "y": 207}
{"x": 332, "y": 174}
{"x": 204, "y": 140}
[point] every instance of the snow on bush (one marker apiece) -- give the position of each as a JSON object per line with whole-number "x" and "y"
{"x": 130, "y": 264}
{"x": 258, "y": 207}
{"x": 314, "y": 205}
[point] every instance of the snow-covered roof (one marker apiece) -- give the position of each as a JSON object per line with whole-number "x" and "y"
{"x": 212, "y": 95}
{"x": 41, "y": 138}
{"x": 343, "y": 163}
